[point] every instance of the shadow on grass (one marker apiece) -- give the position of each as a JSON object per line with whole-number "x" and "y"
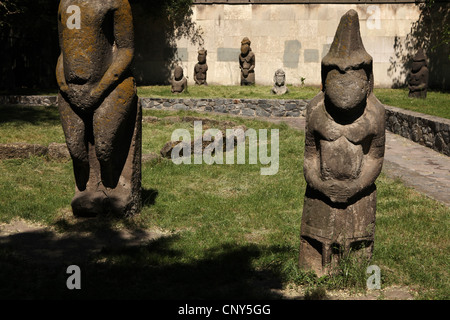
{"x": 30, "y": 114}
{"x": 128, "y": 262}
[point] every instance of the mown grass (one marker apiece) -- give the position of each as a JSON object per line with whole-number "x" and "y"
{"x": 229, "y": 92}
{"x": 436, "y": 104}
{"x": 230, "y": 232}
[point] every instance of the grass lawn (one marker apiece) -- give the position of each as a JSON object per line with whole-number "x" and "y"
{"x": 229, "y": 92}
{"x": 229, "y": 230}
{"x": 436, "y": 103}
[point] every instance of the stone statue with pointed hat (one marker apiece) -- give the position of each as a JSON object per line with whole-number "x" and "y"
{"x": 247, "y": 63}
{"x": 344, "y": 151}
{"x": 418, "y": 79}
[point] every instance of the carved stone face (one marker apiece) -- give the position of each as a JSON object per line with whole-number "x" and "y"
{"x": 245, "y": 49}
{"x": 280, "y": 79}
{"x": 178, "y": 73}
{"x": 417, "y": 65}
{"x": 347, "y": 90}
{"x": 201, "y": 58}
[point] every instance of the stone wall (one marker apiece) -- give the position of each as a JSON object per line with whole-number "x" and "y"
{"x": 243, "y": 107}
{"x": 292, "y": 36}
{"x": 29, "y": 100}
{"x": 432, "y": 132}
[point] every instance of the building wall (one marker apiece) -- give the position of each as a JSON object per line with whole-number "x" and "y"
{"x": 294, "y": 37}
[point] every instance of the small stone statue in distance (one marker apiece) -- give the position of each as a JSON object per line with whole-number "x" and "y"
{"x": 280, "y": 87}
{"x": 179, "y": 81}
{"x": 418, "y": 78}
{"x": 98, "y": 105}
{"x": 201, "y": 68}
{"x": 247, "y": 63}
{"x": 344, "y": 151}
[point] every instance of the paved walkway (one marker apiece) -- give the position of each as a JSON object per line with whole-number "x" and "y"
{"x": 417, "y": 166}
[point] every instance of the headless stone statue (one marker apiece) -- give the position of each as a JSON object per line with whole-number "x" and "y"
{"x": 247, "y": 63}
{"x": 344, "y": 150}
{"x": 418, "y": 78}
{"x": 201, "y": 68}
{"x": 98, "y": 105}
{"x": 179, "y": 82}
{"x": 279, "y": 87}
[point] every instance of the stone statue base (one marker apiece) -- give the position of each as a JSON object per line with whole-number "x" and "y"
{"x": 330, "y": 231}
{"x": 249, "y": 80}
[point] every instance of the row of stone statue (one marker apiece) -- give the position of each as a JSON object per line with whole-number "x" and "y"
{"x": 246, "y": 63}
{"x": 101, "y": 119}
{"x": 417, "y": 84}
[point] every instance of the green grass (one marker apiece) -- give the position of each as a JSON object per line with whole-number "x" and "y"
{"x": 230, "y": 232}
{"x": 24, "y": 124}
{"x": 436, "y": 104}
{"x": 229, "y": 92}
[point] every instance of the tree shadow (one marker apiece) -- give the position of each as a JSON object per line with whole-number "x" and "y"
{"x": 157, "y": 27}
{"x": 430, "y": 32}
{"x": 137, "y": 264}
{"x": 35, "y": 115}
{"x": 30, "y": 45}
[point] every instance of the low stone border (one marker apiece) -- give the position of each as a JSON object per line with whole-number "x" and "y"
{"x": 243, "y": 107}
{"x": 432, "y": 132}
{"x": 45, "y": 101}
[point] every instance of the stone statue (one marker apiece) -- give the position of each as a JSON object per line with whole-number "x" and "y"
{"x": 344, "y": 151}
{"x": 201, "y": 68}
{"x": 247, "y": 63}
{"x": 98, "y": 105}
{"x": 179, "y": 81}
{"x": 418, "y": 78}
{"x": 279, "y": 87}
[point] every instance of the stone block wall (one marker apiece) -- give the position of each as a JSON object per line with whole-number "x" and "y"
{"x": 292, "y": 36}
{"x": 29, "y": 100}
{"x": 243, "y": 107}
{"x": 432, "y": 132}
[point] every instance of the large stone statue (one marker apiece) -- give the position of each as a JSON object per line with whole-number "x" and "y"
{"x": 279, "y": 87}
{"x": 247, "y": 63}
{"x": 344, "y": 150}
{"x": 98, "y": 105}
{"x": 201, "y": 68}
{"x": 418, "y": 78}
{"x": 179, "y": 81}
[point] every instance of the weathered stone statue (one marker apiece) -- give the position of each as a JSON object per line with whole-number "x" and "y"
{"x": 179, "y": 81}
{"x": 201, "y": 68}
{"x": 418, "y": 78}
{"x": 247, "y": 63}
{"x": 98, "y": 105}
{"x": 279, "y": 87}
{"x": 344, "y": 150}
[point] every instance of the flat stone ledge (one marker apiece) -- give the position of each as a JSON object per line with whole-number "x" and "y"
{"x": 430, "y": 131}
